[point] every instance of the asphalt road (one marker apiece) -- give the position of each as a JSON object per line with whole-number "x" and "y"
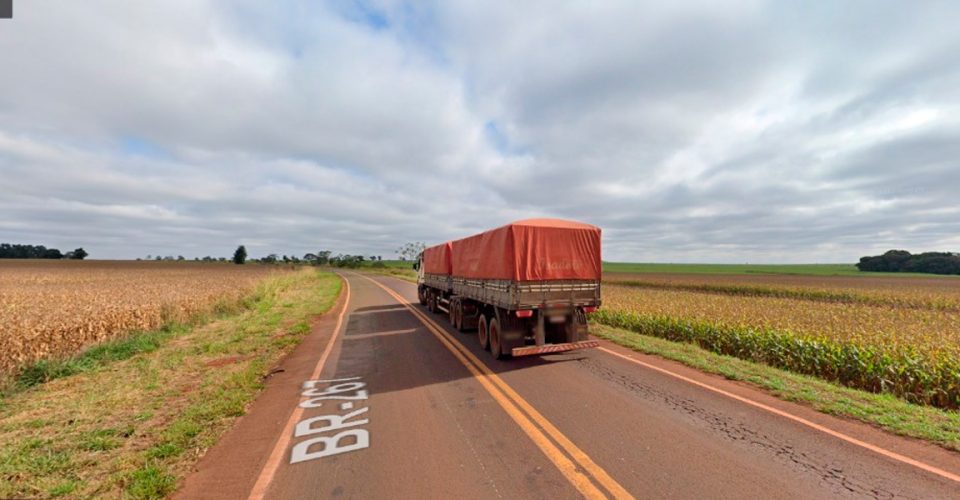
{"x": 418, "y": 410}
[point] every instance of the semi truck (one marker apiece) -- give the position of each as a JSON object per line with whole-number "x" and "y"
{"x": 526, "y": 287}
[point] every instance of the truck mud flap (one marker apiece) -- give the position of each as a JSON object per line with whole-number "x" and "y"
{"x": 551, "y": 348}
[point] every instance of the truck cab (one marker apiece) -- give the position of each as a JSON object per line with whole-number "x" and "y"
{"x": 421, "y": 288}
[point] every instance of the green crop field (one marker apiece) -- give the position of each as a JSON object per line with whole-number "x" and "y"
{"x": 794, "y": 269}
{"x": 896, "y": 333}
{"x": 395, "y": 264}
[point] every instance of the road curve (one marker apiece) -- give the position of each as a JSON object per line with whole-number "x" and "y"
{"x": 418, "y": 410}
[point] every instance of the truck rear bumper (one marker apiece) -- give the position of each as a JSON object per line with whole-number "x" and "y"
{"x": 551, "y": 348}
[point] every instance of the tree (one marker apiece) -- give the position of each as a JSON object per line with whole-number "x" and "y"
{"x": 323, "y": 257}
{"x": 15, "y": 251}
{"x": 240, "y": 255}
{"x": 411, "y": 250}
{"x": 351, "y": 261}
{"x": 895, "y": 261}
{"x": 78, "y": 254}
{"x": 52, "y": 253}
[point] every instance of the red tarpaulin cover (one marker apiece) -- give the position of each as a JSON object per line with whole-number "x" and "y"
{"x": 530, "y": 250}
{"x": 436, "y": 259}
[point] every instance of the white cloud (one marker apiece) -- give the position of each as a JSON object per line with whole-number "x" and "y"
{"x": 762, "y": 131}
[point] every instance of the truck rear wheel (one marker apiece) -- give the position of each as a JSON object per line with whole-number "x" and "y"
{"x": 482, "y": 332}
{"x": 494, "y": 334}
{"x": 577, "y": 327}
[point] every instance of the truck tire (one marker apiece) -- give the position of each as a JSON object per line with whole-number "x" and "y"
{"x": 482, "y": 333}
{"x": 493, "y": 331}
{"x": 422, "y": 296}
{"x": 576, "y": 328}
{"x": 457, "y": 310}
{"x": 431, "y": 302}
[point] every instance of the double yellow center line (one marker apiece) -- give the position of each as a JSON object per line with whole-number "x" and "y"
{"x": 585, "y": 475}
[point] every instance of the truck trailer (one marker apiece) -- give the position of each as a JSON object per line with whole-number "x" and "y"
{"x": 525, "y": 287}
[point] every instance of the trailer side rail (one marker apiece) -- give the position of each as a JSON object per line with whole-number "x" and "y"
{"x": 514, "y": 295}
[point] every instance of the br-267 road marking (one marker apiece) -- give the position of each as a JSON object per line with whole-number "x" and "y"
{"x": 331, "y": 444}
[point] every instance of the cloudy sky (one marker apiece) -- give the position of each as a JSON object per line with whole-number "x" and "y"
{"x": 735, "y": 131}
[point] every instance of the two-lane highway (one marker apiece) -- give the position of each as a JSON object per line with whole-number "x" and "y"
{"x": 385, "y": 400}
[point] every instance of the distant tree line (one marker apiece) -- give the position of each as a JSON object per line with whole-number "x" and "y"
{"x": 324, "y": 258}
{"x": 902, "y": 261}
{"x": 320, "y": 258}
{"x": 351, "y": 261}
{"x": 13, "y": 251}
{"x": 181, "y": 258}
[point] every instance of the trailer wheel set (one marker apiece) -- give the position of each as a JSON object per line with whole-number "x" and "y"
{"x": 502, "y": 333}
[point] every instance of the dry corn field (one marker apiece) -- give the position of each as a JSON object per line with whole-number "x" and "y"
{"x": 57, "y": 308}
{"x": 902, "y": 338}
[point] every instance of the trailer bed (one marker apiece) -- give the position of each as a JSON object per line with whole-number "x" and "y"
{"x": 516, "y": 295}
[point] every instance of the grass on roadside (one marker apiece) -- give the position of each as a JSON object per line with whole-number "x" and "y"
{"x": 132, "y": 344}
{"x": 130, "y": 418}
{"x": 406, "y": 274}
{"x": 97, "y": 356}
{"x": 883, "y": 410}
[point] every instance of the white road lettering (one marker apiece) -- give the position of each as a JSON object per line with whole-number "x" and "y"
{"x": 317, "y": 402}
{"x": 351, "y": 386}
{"x": 341, "y": 442}
{"x": 305, "y": 427}
{"x": 310, "y": 384}
{"x": 331, "y": 445}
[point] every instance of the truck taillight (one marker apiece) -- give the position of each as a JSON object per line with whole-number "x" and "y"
{"x": 589, "y": 309}
{"x": 526, "y": 313}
